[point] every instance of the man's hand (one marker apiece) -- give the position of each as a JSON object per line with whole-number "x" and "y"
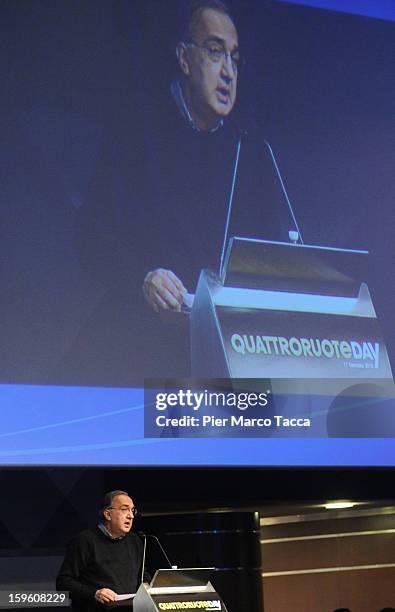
{"x": 105, "y": 596}
{"x": 163, "y": 290}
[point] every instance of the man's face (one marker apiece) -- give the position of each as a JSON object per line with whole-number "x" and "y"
{"x": 119, "y": 518}
{"x": 211, "y": 75}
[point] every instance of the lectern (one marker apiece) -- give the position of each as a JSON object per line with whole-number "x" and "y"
{"x": 300, "y": 317}
{"x": 179, "y": 589}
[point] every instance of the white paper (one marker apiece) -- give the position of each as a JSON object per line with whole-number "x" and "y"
{"x": 124, "y": 596}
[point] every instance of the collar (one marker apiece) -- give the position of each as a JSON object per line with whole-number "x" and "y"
{"x": 104, "y": 530}
{"x": 178, "y": 96}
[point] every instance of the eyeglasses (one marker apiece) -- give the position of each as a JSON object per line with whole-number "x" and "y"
{"x": 217, "y": 53}
{"x": 124, "y": 510}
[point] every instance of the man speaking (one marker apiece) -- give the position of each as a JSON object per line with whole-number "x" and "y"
{"x": 157, "y": 208}
{"x": 105, "y": 561}
{"x": 209, "y": 59}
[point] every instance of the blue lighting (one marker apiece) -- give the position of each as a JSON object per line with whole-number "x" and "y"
{"x": 380, "y": 9}
{"x": 92, "y": 426}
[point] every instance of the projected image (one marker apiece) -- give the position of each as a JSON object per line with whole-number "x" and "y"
{"x": 147, "y": 142}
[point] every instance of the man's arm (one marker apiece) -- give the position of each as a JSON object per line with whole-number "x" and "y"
{"x": 117, "y": 240}
{"x": 70, "y": 576}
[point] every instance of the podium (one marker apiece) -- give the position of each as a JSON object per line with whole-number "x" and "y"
{"x": 178, "y": 589}
{"x": 300, "y": 318}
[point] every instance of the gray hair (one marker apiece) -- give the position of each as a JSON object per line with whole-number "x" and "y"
{"x": 196, "y": 9}
{"x": 108, "y": 499}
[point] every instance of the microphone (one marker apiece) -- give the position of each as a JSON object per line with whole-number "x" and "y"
{"x": 230, "y": 202}
{"x": 293, "y": 236}
{"x": 151, "y": 535}
{"x": 140, "y": 533}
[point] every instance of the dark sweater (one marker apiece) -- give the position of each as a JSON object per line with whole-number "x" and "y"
{"x": 159, "y": 200}
{"x": 94, "y": 561}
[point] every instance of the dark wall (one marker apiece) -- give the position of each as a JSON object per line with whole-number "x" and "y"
{"x": 329, "y": 563}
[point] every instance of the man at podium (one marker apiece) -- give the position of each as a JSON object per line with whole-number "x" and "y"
{"x": 106, "y": 561}
{"x": 156, "y": 212}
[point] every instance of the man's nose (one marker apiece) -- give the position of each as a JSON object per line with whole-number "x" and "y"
{"x": 228, "y": 70}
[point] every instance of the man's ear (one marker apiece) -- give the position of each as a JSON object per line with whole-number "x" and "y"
{"x": 107, "y": 515}
{"x": 182, "y": 57}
